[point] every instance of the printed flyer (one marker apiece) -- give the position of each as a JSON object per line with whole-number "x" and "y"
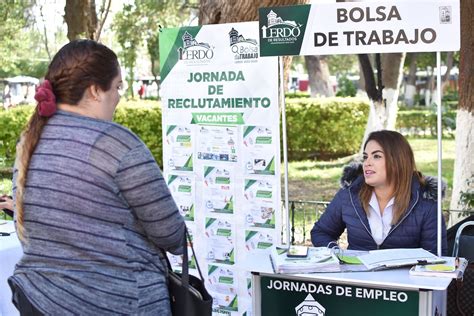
{"x": 221, "y": 150}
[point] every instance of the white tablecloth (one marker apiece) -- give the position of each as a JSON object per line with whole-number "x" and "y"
{"x": 10, "y": 254}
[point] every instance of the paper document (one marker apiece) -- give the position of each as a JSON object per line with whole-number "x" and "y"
{"x": 387, "y": 258}
{"x": 319, "y": 259}
{"x": 449, "y": 269}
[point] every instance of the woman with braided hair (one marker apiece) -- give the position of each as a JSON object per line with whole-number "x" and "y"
{"x": 92, "y": 209}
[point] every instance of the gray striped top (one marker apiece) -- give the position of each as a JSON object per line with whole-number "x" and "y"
{"x": 96, "y": 210}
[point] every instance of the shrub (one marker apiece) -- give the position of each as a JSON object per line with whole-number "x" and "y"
{"x": 325, "y": 128}
{"x": 423, "y": 122}
{"x": 297, "y": 95}
{"x": 144, "y": 119}
{"x": 316, "y": 128}
{"x": 346, "y": 88}
{"x": 12, "y": 123}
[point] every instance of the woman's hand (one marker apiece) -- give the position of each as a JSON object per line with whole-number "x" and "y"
{"x": 6, "y": 202}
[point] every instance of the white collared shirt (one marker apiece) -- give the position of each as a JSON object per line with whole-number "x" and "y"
{"x": 379, "y": 224}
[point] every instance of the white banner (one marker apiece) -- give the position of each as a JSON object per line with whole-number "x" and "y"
{"x": 361, "y": 27}
{"x": 221, "y": 150}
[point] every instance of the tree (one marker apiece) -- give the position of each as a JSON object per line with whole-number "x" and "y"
{"x": 165, "y": 13}
{"x": 82, "y": 20}
{"x": 383, "y": 94}
{"x": 15, "y": 16}
{"x": 318, "y": 75}
{"x": 410, "y": 87}
{"x": 342, "y": 64}
{"x": 128, "y": 31}
{"x": 464, "y": 163}
{"x": 427, "y": 61}
{"x": 140, "y": 23}
{"x": 224, "y": 11}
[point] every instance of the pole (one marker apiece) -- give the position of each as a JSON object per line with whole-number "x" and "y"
{"x": 440, "y": 136}
{"x": 285, "y": 147}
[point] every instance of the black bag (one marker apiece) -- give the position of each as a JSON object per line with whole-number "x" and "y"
{"x": 461, "y": 294}
{"x": 188, "y": 296}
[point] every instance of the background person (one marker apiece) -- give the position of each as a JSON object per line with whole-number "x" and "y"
{"x": 6, "y": 204}
{"x": 385, "y": 203}
{"x": 92, "y": 207}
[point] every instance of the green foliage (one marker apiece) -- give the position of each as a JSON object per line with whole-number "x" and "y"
{"x": 425, "y": 61}
{"x": 12, "y": 123}
{"x": 451, "y": 95}
{"x": 423, "y": 122}
{"x": 144, "y": 119}
{"x": 129, "y": 35}
{"x": 342, "y": 64}
{"x": 15, "y": 17}
{"x": 467, "y": 197}
{"x": 297, "y": 95}
{"x": 139, "y": 23}
{"x": 165, "y": 13}
{"x": 321, "y": 128}
{"x": 346, "y": 87}
{"x": 325, "y": 128}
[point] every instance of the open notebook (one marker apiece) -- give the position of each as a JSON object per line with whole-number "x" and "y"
{"x": 391, "y": 258}
{"x": 322, "y": 259}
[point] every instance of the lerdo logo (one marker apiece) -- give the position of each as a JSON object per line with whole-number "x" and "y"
{"x": 244, "y": 49}
{"x": 279, "y": 31}
{"x": 310, "y": 307}
{"x": 194, "y": 51}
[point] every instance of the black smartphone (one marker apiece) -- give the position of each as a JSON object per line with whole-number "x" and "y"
{"x": 8, "y": 212}
{"x": 297, "y": 252}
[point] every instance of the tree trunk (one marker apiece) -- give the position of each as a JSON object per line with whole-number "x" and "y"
{"x": 374, "y": 92}
{"x": 383, "y": 102}
{"x": 444, "y": 78}
{"x": 392, "y": 74}
{"x": 104, "y": 12}
{"x": 224, "y": 11}
{"x": 464, "y": 162}
{"x": 81, "y": 19}
{"x": 410, "y": 87}
{"x": 318, "y": 75}
{"x": 449, "y": 66}
{"x": 430, "y": 84}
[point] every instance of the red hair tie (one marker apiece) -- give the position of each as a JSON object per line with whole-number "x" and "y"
{"x": 46, "y": 99}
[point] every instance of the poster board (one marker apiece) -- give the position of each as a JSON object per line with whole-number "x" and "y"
{"x": 221, "y": 151}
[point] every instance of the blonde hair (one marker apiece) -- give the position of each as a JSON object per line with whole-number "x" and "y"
{"x": 400, "y": 168}
{"x": 24, "y": 149}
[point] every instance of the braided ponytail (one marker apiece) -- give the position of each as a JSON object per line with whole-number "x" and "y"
{"x": 76, "y": 66}
{"x": 24, "y": 149}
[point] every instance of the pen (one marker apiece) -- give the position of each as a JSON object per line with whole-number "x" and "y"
{"x": 4, "y": 234}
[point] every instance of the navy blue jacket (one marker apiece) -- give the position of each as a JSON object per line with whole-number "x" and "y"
{"x": 416, "y": 229}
